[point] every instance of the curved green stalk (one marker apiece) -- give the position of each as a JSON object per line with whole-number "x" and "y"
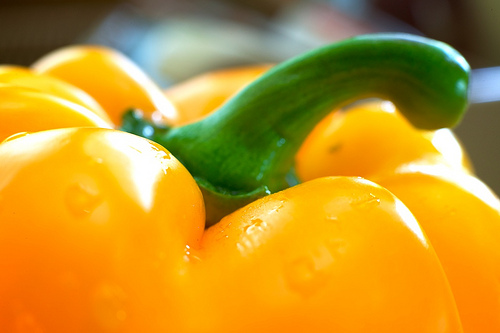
{"x": 246, "y": 148}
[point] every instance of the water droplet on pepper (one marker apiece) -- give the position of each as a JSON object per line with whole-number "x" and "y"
{"x": 366, "y": 203}
{"x": 256, "y": 225}
{"x": 109, "y": 306}
{"x": 81, "y": 200}
{"x": 304, "y": 277}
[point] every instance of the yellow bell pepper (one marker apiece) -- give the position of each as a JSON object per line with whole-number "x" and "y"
{"x": 201, "y": 95}
{"x": 428, "y": 170}
{"x": 104, "y": 231}
{"x": 24, "y": 77}
{"x": 28, "y": 110}
{"x": 114, "y": 81}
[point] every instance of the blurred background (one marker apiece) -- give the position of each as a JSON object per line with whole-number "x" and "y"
{"x": 174, "y": 40}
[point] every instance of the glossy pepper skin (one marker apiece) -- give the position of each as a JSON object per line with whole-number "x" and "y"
{"x": 330, "y": 254}
{"x": 94, "y": 227}
{"x": 25, "y": 77}
{"x": 201, "y": 95}
{"x": 121, "y": 84}
{"x": 27, "y": 110}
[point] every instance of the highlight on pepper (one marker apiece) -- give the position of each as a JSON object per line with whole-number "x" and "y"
{"x": 327, "y": 193}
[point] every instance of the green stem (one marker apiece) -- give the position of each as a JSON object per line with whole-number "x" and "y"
{"x": 246, "y": 148}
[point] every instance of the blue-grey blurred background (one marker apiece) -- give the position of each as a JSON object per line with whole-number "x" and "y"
{"x": 174, "y": 40}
